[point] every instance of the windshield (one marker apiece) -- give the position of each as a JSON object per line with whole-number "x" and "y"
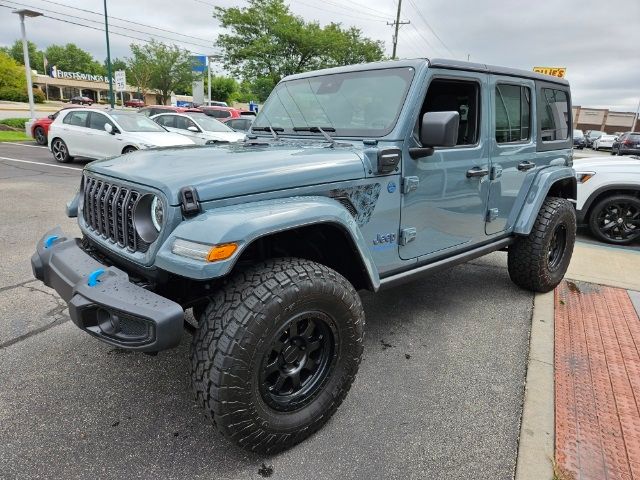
{"x": 578, "y": 134}
{"x": 359, "y": 104}
{"x": 134, "y": 122}
{"x": 595, "y": 133}
{"x": 209, "y": 124}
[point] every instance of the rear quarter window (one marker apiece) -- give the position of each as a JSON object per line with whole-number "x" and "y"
{"x": 554, "y": 115}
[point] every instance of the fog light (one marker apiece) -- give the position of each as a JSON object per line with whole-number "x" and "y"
{"x": 203, "y": 251}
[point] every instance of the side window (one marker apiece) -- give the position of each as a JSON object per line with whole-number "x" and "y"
{"x": 459, "y": 96}
{"x": 220, "y": 114}
{"x": 78, "y": 119}
{"x": 97, "y": 121}
{"x": 553, "y": 110}
{"x": 145, "y": 111}
{"x": 513, "y": 113}
{"x": 166, "y": 121}
{"x": 183, "y": 123}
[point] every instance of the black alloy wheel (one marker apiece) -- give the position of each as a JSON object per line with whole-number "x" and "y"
{"x": 557, "y": 246}
{"x": 616, "y": 219}
{"x": 299, "y": 360}
{"x": 40, "y": 136}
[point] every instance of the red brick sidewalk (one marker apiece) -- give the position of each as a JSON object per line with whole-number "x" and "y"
{"x": 597, "y": 382}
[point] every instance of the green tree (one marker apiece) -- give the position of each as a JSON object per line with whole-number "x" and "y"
{"x": 116, "y": 64}
{"x": 72, "y": 58}
{"x": 138, "y": 69}
{"x": 35, "y": 55}
{"x": 168, "y": 67}
{"x": 265, "y": 40}
{"x": 13, "y": 84}
{"x": 222, "y": 88}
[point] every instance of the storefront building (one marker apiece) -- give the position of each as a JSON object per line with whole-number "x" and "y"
{"x": 604, "y": 120}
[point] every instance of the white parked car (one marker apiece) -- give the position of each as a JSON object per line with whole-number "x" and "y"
{"x": 609, "y": 197}
{"x": 94, "y": 133}
{"x": 199, "y": 127}
{"x": 605, "y": 141}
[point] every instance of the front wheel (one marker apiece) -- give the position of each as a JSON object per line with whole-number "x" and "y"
{"x": 276, "y": 352}
{"x": 616, "y": 219}
{"x": 539, "y": 261}
{"x": 129, "y": 150}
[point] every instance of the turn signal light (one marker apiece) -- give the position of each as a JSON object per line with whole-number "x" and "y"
{"x": 221, "y": 252}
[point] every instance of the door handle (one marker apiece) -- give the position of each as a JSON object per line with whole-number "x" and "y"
{"x": 526, "y": 165}
{"x": 477, "y": 172}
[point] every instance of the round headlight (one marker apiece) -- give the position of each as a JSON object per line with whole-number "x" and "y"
{"x": 157, "y": 213}
{"x": 148, "y": 217}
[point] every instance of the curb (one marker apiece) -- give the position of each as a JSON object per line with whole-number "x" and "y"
{"x": 536, "y": 446}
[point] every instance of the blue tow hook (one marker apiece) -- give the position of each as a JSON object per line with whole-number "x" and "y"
{"x": 93, "y": 277}
{"x": 49, "y": 240}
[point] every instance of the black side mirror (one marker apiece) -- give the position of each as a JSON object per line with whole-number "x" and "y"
{"x": 51, "y": 117}
{"x": 440, "y": 129}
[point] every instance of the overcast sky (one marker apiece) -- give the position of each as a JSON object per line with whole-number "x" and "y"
{"x": 598, "y": 41}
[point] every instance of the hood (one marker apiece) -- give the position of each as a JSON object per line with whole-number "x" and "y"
{"x": 232, "y": 170}
{"x": 608, "y": 163}
{"x": 159, "y": 139}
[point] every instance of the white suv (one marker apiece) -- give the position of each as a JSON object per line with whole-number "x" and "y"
{"x": 96, "y": 134}
{"x": 609, "y": 197}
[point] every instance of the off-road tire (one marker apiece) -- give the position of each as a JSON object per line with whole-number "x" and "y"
{"x": 235, "y": 333}
{"x": 529, "y": 257}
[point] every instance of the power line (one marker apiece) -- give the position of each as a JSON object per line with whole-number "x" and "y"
{"x": 111, "y": 17}
{"x": 325, "y": 9}
{"x": 430, "y": 27}
{"x": 145, "y": 40}
{"x": 113, "y": 26}
{"x": 422, "y": 37}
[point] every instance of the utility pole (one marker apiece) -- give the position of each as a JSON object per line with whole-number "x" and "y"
{"x": 396, "y": 26}
{"x": 106, "y": 29}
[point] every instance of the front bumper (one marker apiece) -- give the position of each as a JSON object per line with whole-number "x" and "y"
{"x": 106, "y": 305}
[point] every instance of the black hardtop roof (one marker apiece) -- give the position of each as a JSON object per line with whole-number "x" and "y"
{"x": 435, "y": 63}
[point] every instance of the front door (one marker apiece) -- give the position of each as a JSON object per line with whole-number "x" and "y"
{"x": 445, "y": 200}
{"x": 513, "y": 146}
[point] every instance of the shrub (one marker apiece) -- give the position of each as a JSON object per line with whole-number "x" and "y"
{"x": 18, "y": 123}
{"x": 38, "y": 96}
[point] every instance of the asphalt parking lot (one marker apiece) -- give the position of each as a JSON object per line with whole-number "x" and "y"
{"x": 439, "y": 393}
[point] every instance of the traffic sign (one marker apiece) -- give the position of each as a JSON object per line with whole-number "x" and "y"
{"x": 121, "y": 80}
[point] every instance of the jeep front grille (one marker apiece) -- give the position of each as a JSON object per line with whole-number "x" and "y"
{"x": 108, "y": 212}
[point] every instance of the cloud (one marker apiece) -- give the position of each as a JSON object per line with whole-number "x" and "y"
{"x": 601, "y": 55}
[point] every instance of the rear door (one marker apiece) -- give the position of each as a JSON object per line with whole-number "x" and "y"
{"x": 74, "y": 130}
{"x": 512, "y": 146}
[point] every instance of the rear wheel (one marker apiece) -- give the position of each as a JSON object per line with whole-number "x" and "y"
{"x": 128, "y": 150}
{"x": 276, "y": 352}
{"x": 539, "y": 261}
{"x": 616, "y": 219}
{"x": 60, "y": 151}
{"x": 40, "y": 136}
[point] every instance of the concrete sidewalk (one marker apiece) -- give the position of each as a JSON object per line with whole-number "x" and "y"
{"x": 580, "y": 417}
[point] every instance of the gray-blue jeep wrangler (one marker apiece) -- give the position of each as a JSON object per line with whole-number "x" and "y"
{"x": 352, "y": 178}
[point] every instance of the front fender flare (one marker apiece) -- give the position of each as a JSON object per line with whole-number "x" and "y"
{"x": 245, "y": 223}
{"x": 536, "y": 195}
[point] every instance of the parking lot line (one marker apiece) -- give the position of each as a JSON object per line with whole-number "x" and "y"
{"x": 25, "y": 145}
{"x": 39, "y": 163}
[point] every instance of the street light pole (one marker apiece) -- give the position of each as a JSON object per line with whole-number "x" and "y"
{"x": 25, "y": 52}
{"x": 106, "y": 29}
{"x": 209, "y": 76}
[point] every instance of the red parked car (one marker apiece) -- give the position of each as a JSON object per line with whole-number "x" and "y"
{"x": 134, "y": 102}
{"x": 40, "y": 128}
{"x": 221, "y": 113}
{"x": 81, "y": 100}
{"x": 152, "y": 110}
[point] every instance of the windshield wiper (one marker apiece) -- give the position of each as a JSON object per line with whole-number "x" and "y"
{"x": 269, "y": 128}
{"x": 323, "y": 131}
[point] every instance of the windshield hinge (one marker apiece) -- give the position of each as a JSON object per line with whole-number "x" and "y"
{"x": 409, "y": 184}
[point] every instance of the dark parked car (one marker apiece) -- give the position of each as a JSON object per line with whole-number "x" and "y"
{"x": 134, "y": 102}
{"x": 626, "y": 144}
{"x": 578, "y": 139}
{"x": 81, "y": 100}
{"x": 591, "y": 136}
{"x": 241, "y": 124}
